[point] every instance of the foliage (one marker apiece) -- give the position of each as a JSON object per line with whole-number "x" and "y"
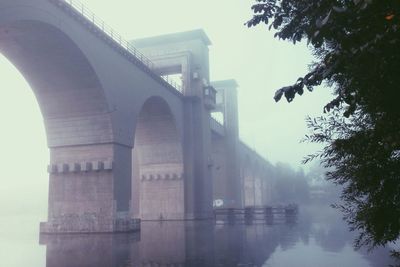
{"x": 355, "y": 43}
{"x": 368, "y": 171}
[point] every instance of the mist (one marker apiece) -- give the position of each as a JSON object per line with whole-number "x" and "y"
{"x": 260, "y": 64}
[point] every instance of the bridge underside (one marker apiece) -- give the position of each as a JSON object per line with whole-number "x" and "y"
{"x": 86, "y": 187}
{"x": 158, "y": 164}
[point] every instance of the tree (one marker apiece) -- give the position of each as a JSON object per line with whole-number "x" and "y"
{"x": 356, "y": 45}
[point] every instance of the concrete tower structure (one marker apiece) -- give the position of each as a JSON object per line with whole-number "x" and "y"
{"x": 226, "y": 174}
{"x": 190, "y": 196}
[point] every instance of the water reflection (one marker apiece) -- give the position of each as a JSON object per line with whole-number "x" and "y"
{"x": 88, "y": 250}
{"x": 205, "y": 244}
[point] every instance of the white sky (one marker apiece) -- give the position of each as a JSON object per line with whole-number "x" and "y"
{"x": 259, "y": 63}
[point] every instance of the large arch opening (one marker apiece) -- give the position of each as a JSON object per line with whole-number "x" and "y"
{"x": 24, "y": 180}
{"x": 248, "y": 183}
{"x": 64, "y": 82}
{"x": 158, "y": 182}
{"x": 75, "y": 115}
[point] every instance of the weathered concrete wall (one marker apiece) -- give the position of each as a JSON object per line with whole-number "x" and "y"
{"x": 256, "y": 176}
{"x": 248, "y": 185}
{"x": 80, "y": 190}
{"x": 258, "y": 198}
{"x": 227, "y": 184}
{"x": 220, "y": 176}
{"x": 187, "y": 53}
{"x": 160, "y": 164}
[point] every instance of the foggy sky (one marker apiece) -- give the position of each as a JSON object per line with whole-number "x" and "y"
{"x": 259, "y": 63}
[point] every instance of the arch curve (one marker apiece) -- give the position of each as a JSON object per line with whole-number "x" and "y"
{"x": 158, "y": 177}
{"x": 76, "y": 118}
{"x": 65, "y": 84}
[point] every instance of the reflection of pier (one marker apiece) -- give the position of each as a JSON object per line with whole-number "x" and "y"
{"x": 102, "y": 250}
{"x": 180, "y": 244}
{"x": 200, "y": 244}
{"x": 269, "y": 214}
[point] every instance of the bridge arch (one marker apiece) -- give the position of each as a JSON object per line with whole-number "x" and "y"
{"x": 61, "y": 76}
{"x": 76, "y": 118}
{"x": 158, "y": 184}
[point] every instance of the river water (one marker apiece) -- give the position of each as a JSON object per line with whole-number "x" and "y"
{"x": 319, "y": 238}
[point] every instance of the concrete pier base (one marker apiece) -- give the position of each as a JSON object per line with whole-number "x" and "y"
{"x": 88, "y": 224}
{"x": 87, "y": 190}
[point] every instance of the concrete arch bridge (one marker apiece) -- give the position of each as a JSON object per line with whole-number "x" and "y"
{"x": 125, "y": 142}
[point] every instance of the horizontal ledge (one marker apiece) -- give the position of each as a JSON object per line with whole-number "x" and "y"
{"x": 87, "y": 166}
{"x": 163, "y": 176}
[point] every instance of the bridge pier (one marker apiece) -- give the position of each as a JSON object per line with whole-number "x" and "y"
{"x": 89, "y": 190}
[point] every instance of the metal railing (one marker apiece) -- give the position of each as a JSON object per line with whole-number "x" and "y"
{"x": 114, "y": 35}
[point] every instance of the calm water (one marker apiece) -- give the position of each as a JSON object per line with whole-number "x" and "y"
{"x": 315, "y": 240}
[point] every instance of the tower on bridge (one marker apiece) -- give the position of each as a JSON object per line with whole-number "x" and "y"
{"x": 184, "y": 57}
{"x": 226, "y": 172}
